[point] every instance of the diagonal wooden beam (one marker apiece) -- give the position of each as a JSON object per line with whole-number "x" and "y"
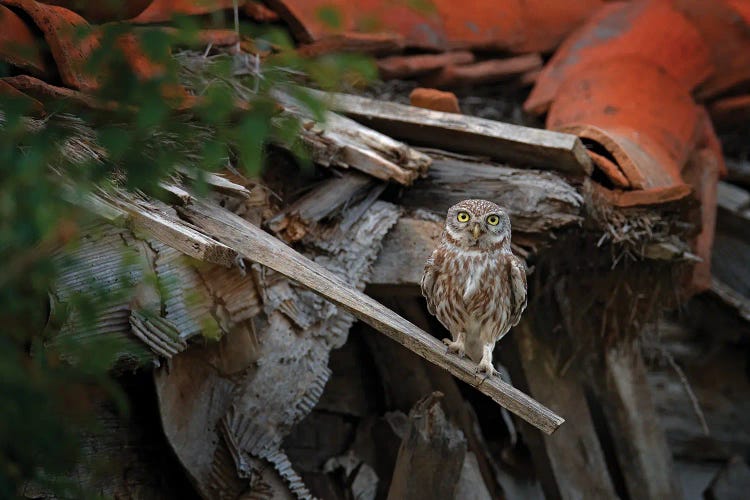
{"x": 255, "y": 244}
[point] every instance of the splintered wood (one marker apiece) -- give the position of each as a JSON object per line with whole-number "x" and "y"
{"x": 466, "y": 134}
{"x": 258, "y": 246}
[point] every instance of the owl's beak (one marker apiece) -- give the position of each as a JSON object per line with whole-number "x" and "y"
{"x": 475, "y": 231}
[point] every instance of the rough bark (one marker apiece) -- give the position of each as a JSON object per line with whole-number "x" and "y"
{"x": 431, "y": 456}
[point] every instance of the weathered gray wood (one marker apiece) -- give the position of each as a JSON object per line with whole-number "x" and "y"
{"x": 405, "y": 251}
{"x": 536, "y": 201}
{"x": 570, "y": 464}
{"x": 256, "y": 245}
{"x": 406, "y": 378}
{"x": 345, "y": 143}
{"x": 431, "y": 455}
{"x": 148, "y": 219}
{"x": 731, "y": 483}
{"x": 642, "y": 452}
{"x": 739, "y": 171}
{"x": 323, "y": 200}
{"x": 521, "y": 145}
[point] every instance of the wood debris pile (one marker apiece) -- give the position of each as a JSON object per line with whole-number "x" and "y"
{"x": 245, "y": 298}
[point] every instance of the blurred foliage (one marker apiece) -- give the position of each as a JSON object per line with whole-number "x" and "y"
{"x": 49, "y": 389}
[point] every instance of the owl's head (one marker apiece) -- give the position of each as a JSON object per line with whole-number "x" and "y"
{"x": 479, "y": 225}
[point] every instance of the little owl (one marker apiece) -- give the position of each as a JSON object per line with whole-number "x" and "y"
{"x": 472, "y": 281}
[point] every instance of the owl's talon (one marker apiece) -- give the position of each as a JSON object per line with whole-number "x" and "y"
{"x": 486, "y": 367}
{"x": 455, "y": 347}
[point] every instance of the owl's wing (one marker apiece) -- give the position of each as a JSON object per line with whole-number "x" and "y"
{"x": 517, "y": 275}
{"x": 428, "y": 283}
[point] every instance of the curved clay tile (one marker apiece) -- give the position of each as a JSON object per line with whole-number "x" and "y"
{"x": 164, "y": 10}
{"x": 69, "y": 49}
{"x": 106, "y": 10}
{"x": 546, "y": 23}
{"x": 725, "y": 28}
{"x": 654, "y": 30}
{"x": 419, "y": 28}
{"x": 8, "y": 90}
{"x": 636, "y": 115}
{"x": 18, "y": 45}
{"x": 482, "y": 23}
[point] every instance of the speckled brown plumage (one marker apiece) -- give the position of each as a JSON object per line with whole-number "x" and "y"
{"x": 472, "y": 281}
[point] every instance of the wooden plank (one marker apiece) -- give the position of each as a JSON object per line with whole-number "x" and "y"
{"x": 431, "y": 455}
{"x": 570, "y": 464}
{"x": 640, "y": 444}
{"x": 345, "y": 143}
{"x": 406, "y": 248}
{"x": 524, "y": 146}
{"x": 257, "y": 245}
{"x": 536, "y": 201}
{"x": 168, "y": 229}
{"x": 320, "y": 202}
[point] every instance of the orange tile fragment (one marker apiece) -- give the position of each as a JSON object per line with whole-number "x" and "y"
{"x": 435, "y": 100}
{"x": 307, "y": 20}
{"x": 18, "y": 45}
{"x": 259, "y": 12}
{"x": 62, "y": 31}
{"x": 491, "y": 71}
{"x": 409, "y": 66}
{"x": 164, "y": 10}
{"x": 653, "y": 30}
{"x": 103, "y": 11}
{"x": 642, "y": 116}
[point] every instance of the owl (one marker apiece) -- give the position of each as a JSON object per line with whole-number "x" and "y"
{"x": 472, "y": 281}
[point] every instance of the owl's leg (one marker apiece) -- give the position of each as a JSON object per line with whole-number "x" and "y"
{"x": 456, "y": 346}
{"x": 485, "y": 365}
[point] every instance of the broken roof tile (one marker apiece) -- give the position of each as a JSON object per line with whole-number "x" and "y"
{"x": 62, "y": 29}
{"x": 725, "y": 28}
{"x": 623, "y": 29}
{"x": 102, "y": 11}
{"x": 18, "y": 45}
{"x": 644, "y": 118}
{"x": 493, "y": 70}
{"x": 164, "y": 10}
{"x": 312, "y": 20}
{"x": 434, "y": 99}
{"x": 413, "y": 65}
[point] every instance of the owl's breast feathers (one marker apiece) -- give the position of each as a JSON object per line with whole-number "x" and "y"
{"x": 487, "y": 286}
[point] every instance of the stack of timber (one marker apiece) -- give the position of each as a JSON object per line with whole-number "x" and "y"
{"x": 284, "y": 403}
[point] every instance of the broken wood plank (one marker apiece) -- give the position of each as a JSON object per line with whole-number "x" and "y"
{"x": 570, "y": 464}
{"x": 431, "y": 455}
{"x": 640, "y": 444}
{"x": 536, "y": 201}
{"x": 256, "y": 245}
{"x": 731, "y": 483}
{"x": 217, "y": 182}
{"x": 528, "y": 147}
{"x": 412, "y": 241}
{"x": 167, "y": 228}
{"x": 345, "y": 143}
{"x": 320, "y": 202}
{"x": 406, "y": 378}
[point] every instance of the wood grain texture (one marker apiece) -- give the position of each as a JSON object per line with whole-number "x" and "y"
{"x": 256, "y": 245}
{"x": 536, "y": 201}
{"x": 570, "y": 464}
{"x": 525, "y": 146}
{"x": 432, "y": 452}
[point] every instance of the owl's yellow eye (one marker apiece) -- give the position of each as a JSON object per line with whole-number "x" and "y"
{"x": 493, "y": 220}
{"x": 463, "y": 217}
